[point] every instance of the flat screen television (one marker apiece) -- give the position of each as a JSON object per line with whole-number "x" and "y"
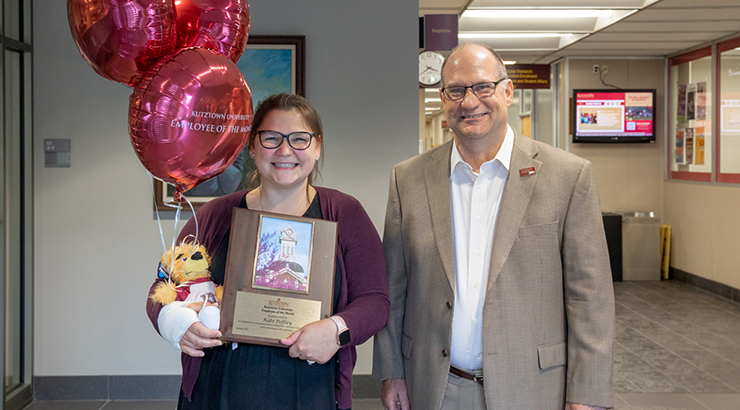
{"x": 614, "y": 116}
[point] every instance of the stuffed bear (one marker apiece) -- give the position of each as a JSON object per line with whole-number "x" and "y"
{"x": 189, "y": 278}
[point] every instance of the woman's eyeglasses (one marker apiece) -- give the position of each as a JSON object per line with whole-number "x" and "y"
{"x": 297, "y": 140}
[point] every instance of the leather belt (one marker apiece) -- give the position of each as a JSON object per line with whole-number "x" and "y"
{"x": 467, "y": 376}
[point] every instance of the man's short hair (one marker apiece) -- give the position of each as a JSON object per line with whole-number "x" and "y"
{"x": 501, "y": 68}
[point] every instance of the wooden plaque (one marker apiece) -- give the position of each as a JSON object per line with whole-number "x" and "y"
{"x": 279, "y": 276}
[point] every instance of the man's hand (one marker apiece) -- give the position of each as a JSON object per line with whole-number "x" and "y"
{"x": 573, "y": 406}
{"x": 394, "y": 395}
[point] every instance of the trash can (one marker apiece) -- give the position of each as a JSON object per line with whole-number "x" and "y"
{"x": 640, "y": 246}
{"x": 613, "y": 230}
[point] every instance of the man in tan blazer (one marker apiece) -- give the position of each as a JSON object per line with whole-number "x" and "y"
{"x": 539, "y": 335}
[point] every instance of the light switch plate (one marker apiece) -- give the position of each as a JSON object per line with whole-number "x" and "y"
{"x": 57, "y": 153}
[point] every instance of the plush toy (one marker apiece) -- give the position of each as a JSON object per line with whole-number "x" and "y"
{"x": 189, "y": 280}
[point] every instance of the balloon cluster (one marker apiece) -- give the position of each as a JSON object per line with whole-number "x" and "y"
{"x": 191, "y": 109}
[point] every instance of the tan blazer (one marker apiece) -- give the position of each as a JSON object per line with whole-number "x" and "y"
{"x": 548, "y": 319}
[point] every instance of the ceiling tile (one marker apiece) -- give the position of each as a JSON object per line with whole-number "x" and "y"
{"x": 653, "y": 26}
{"x": 693, "y": 3}
{"x": 442, "y": 4}
{"x": 689, "y": 14}
{"x": 656, "y": 36}
{"x": 643, "y": 45}
{"x": 659, "y": 28}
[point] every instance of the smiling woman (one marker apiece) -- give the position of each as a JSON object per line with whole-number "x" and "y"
{"x": 318, "y": 359}
{"x": 285, "y": 143}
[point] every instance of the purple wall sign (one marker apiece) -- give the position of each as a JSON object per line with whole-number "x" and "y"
{"x": 440, "y": 31}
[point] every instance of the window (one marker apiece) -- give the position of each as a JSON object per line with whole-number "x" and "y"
{"x": 728, "y": 134}
{"x": 698, "y": 149}
{"x": 690, "y": 116}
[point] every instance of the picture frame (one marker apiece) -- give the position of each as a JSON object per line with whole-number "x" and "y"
{"x": 283, "y": 254}
{"x": 264, "y": 312}
{"x": 286, "y": 58}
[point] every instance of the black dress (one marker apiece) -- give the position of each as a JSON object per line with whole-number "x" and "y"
{"x": 261, "y": 377}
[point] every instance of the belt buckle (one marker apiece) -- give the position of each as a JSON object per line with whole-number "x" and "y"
{"x": 478, "y": 379}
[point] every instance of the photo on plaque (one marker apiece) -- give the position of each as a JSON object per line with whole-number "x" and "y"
{"x": 283, "y": 255}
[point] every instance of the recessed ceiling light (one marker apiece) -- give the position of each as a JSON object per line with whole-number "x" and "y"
{"x": 536, "y": 13}
{"x": 511, "y": 35}
{"x": 431, "y": 90}
{"x": 509, "y": 62}
{"x": 428, "y": 100}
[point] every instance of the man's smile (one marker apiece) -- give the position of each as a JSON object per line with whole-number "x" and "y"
{"x": 472, "y": 117}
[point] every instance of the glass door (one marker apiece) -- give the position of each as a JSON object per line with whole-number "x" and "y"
{"x": 16, "y": 204}
{"x": 12, "y": 205}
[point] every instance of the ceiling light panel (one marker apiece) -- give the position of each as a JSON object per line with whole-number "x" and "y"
{"x": 511, "y": 35}
{"x": 520, "y": 43}
{"x": 553, "y": 25}
{"x": 536, "y": 13}
{"x": 588, "y": 4}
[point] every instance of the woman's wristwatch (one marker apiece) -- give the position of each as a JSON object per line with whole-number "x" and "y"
{"x": 342, "y": 331}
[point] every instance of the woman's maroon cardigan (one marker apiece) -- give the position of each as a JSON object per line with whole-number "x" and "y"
{"x": 363, "y": 298}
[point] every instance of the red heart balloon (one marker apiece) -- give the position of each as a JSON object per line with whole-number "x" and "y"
{"x": 190, "y": 116}
{"x": 121, "y": 39}
{"x": 221, "y": 25}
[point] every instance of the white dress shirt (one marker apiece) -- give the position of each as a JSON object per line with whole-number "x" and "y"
{"x": 476, "y": 198}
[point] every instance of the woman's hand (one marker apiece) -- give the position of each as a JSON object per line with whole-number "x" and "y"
{"x": 317, "y": 341}
{"x": 198, "y": 337}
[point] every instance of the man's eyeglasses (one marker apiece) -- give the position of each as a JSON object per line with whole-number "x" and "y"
{"x": 481, "y": 90}
{"x": 297, "y": 140}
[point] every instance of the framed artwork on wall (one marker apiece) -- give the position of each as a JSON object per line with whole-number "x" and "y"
{"x": 271, "y": 65}
{"x": 274, "y": 64}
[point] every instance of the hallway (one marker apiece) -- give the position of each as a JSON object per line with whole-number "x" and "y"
{"x": 678, "y": 347}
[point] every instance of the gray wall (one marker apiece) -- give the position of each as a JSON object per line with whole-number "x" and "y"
{"x": 629, "y": 177}
{"x": 96, "y": 243}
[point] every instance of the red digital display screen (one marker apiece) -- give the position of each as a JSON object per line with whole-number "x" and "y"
{"x": 613, "y": 115}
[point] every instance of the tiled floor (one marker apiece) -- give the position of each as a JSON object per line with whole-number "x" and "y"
{"x": 677, "y": 347}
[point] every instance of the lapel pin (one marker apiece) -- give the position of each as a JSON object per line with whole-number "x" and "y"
{"x": 527, "y": 171}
